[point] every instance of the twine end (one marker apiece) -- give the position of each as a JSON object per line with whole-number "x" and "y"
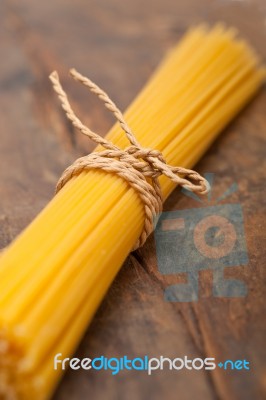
{"x": 204, "y": 188}
{"x": 54, "y": 76}
{"x": 72, "y": 72}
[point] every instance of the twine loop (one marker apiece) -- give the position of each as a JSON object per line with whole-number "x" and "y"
{"x": 139, "y": 166}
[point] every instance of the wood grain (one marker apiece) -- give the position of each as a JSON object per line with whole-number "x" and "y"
{"x": 118, "y": 44}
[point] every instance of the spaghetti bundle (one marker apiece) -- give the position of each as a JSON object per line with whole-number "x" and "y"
{"x": 55, "y": 274}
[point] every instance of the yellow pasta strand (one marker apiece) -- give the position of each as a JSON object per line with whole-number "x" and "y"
{"x": 55, "y": 274}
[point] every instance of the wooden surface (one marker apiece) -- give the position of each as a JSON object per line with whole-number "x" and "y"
{"x": 118, "y": 44}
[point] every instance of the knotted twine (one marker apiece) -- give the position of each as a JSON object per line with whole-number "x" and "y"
{"x": 139, "y": 166}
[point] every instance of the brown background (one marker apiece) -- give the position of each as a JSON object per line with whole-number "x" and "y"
{"x": 118, "y": 43}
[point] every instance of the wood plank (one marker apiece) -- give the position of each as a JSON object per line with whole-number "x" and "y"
{"x": 118, "y": 45}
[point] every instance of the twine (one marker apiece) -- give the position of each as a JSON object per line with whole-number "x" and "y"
{"x": 134, "y": 164}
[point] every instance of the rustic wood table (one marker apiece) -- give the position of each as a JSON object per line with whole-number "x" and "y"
{"x": 118, "y": 44}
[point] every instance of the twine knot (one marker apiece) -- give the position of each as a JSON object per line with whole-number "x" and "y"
{"x": 139, "y": 166}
